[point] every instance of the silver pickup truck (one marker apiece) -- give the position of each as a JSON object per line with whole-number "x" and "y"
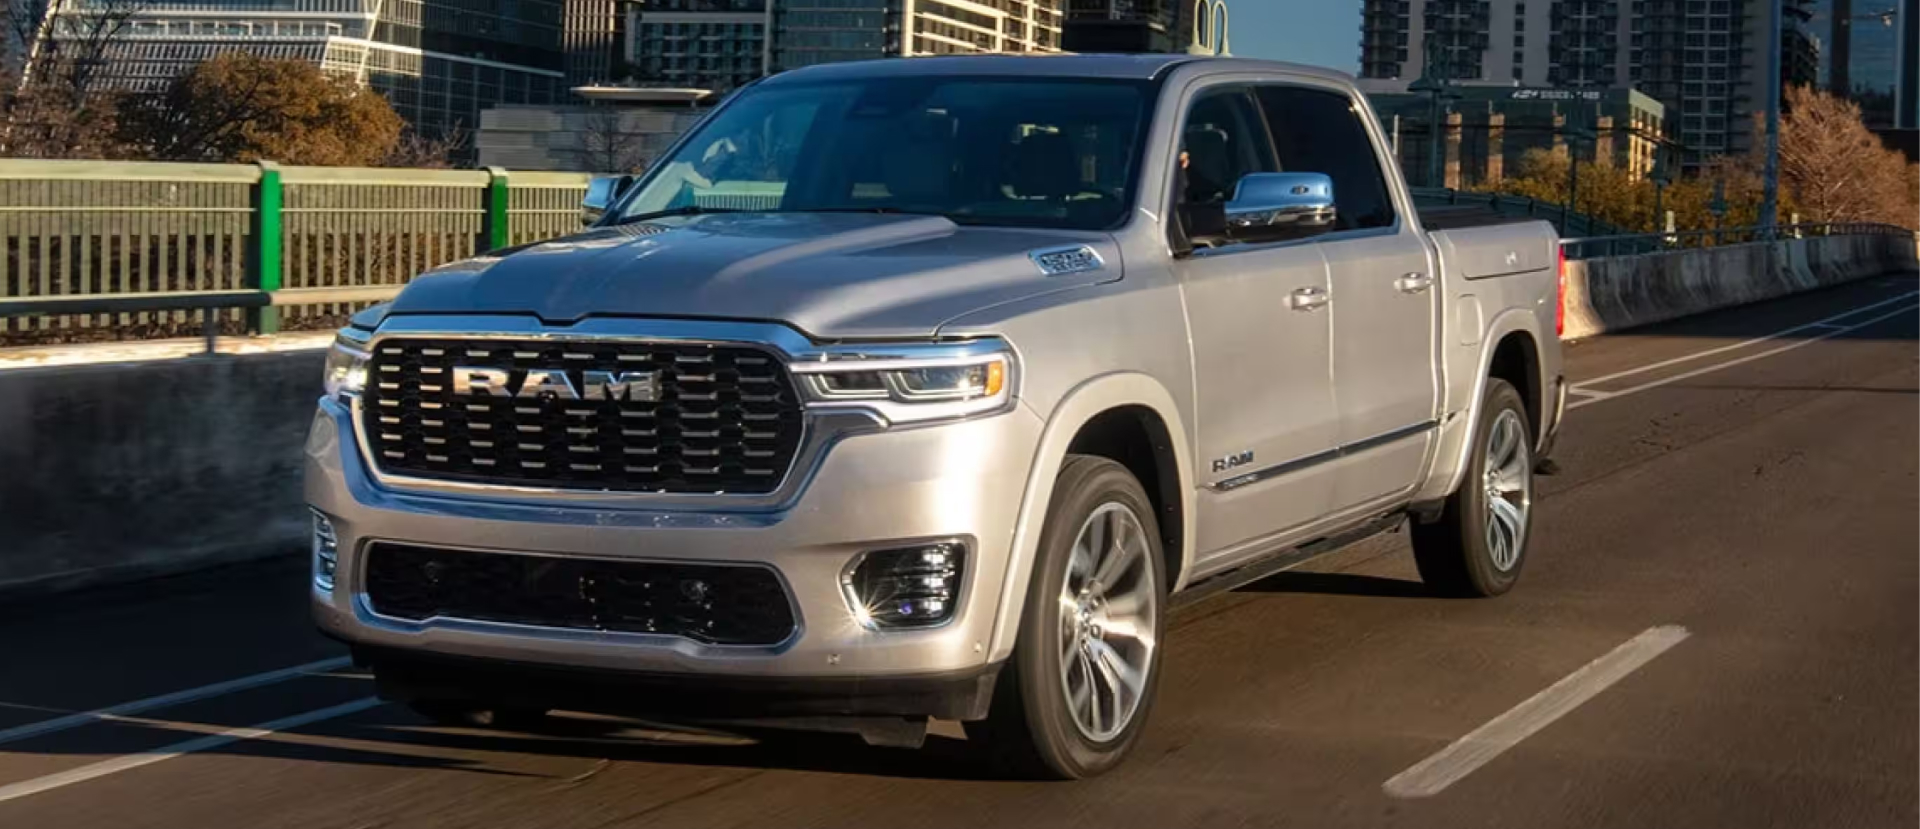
{"x": 926, "y": 389}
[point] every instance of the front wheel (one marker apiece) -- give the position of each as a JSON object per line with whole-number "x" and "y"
{"x": 1076, "y": 693}
{"x": 1479, "y": 543}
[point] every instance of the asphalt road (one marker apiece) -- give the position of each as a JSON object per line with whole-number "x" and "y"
{"x": 1759, "y": 494}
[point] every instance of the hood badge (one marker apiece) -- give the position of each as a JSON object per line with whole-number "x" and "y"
{"x": 1067, "y": 260}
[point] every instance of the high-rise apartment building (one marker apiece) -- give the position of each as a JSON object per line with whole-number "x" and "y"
{"x": 723, "y": 44}
{"x": 1701, "y": 58}
{"x": 705, "y": 44}
{"x": 807, "y": 32}
{"x": 1127, "y": 26}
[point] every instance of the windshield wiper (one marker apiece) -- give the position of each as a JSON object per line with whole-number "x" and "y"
{"x": 688, "y": 210}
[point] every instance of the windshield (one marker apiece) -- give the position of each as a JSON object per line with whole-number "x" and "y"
{"x": 1008, "y": 151}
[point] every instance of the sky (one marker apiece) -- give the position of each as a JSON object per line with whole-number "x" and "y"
{"x": 1319, "y": 32}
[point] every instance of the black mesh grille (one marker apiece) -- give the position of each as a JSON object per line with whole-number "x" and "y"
{"x": 725, "y": 420}
{"x": 716, "y": 604}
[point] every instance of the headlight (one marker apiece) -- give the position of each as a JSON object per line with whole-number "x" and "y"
{"x": 903, "y": 386}
{"x": 346, "y": 367}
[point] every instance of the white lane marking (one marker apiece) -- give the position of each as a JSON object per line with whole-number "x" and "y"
{"x": 176, "y": 698}
{"x": 1434, "y": 774}
{"x": 164, "y": 753}
{"x": 1747, "y": 359}
{"x": 1824, "y": 323}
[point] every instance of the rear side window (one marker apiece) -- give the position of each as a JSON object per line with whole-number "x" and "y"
{"x": 1316, "y": 131}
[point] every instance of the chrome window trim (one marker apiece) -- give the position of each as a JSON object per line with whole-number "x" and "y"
{"x": 822, "y": 425}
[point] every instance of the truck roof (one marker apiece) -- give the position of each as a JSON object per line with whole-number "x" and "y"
{"x": 1128, "y": 67}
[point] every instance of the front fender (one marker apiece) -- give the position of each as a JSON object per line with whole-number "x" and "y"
{"x": 1075, "y": 409}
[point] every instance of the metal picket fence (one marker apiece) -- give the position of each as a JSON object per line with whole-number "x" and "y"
{"x": 95, "y": 250}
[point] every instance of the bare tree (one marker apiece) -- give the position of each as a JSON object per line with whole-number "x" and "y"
{"x": 608, "y": 146}
{"x": 434, "y": 152}
{"x": 59, "y": 100}
{"x": 1837, "y": 169}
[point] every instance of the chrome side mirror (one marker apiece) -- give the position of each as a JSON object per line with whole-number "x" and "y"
{"x": 603, "y": 192}
{"x": 1269, "y": 207}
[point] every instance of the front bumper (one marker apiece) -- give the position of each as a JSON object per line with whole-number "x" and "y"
{"x": 874, "y": 490}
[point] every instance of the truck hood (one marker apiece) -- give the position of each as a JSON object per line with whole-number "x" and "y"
{"x": 831, "y": 275}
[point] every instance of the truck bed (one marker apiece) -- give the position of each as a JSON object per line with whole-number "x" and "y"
{"x": 1460, "y": 216}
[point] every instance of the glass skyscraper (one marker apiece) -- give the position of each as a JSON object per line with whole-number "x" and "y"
{"x": 440, "y": 62}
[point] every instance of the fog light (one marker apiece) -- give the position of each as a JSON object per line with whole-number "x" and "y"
{"x": 326, "y": 551}
{"x": 908, "y": 588}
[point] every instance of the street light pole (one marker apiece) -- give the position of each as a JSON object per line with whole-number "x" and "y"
{"x": 1770, "y": 197}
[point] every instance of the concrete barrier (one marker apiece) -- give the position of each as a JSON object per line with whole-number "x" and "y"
{"x": 119, "y": 471}
{"x": 1614, "y": 293}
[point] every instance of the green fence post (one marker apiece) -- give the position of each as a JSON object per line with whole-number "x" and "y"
{"x": 493, "y": 229}
{"x": 265, "y": 250}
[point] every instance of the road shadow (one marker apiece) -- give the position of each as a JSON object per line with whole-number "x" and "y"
{"x": 392, "y": 737}
{"x": 1339, "y": 584}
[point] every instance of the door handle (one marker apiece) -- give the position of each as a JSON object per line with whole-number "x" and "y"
{"x": 1413, "y": 283}
{"x": 1308, "y": 299}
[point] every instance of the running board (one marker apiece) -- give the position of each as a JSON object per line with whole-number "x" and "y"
{"x": 1282, "y": 560}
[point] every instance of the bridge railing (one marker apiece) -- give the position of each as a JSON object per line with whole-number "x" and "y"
{"x": 93, "y": 250}
{"x": 1632, "y": 244}
{"x": 1569, "y": 224}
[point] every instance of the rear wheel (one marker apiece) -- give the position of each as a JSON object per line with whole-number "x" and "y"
{"x": 1479, "y": 543}
{"x": 1076, "y": 693}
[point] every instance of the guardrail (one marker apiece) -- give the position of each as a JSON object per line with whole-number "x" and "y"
{"x": 1638, "y": 243}
{"x": 94, "y": 250}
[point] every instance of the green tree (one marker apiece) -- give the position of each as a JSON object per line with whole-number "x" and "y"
{"x": 239, "y": 107}
{"x": 1616, "y": 196}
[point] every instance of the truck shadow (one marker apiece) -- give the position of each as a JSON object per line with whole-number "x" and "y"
{"x": 1339, "y": 584}
{"x": 942, "y": 758}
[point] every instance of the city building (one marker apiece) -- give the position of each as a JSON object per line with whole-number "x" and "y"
{"x": 590, "y": 35}
{"x": 1701, "y": 58}
{"x": 608, "y": 130}
{"x": 439, "y": 62}
{"x": 724, "y": 44}
{"x": 1128, "y": 26}
{"x": 1865, "y": 57}
{"x": 808, "y": 32}
{"x": 710, "y": 44}
{"x": 1486, "y": 129}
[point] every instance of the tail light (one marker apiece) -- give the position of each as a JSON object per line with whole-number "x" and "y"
{"x": 1560, "y": 294}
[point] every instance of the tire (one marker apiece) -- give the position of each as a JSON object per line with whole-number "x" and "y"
{"x": 1465, "y": 553}
{"x": 461, "y": 714}
{"x": 1034, "y": 728}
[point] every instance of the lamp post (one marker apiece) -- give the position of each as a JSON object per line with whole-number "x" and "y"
{"x": 1659, "y": 176}
{"x": 1770, "y": 196}
{"x": 1434, "y": 85}
{"x": 1574, "y": 136}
